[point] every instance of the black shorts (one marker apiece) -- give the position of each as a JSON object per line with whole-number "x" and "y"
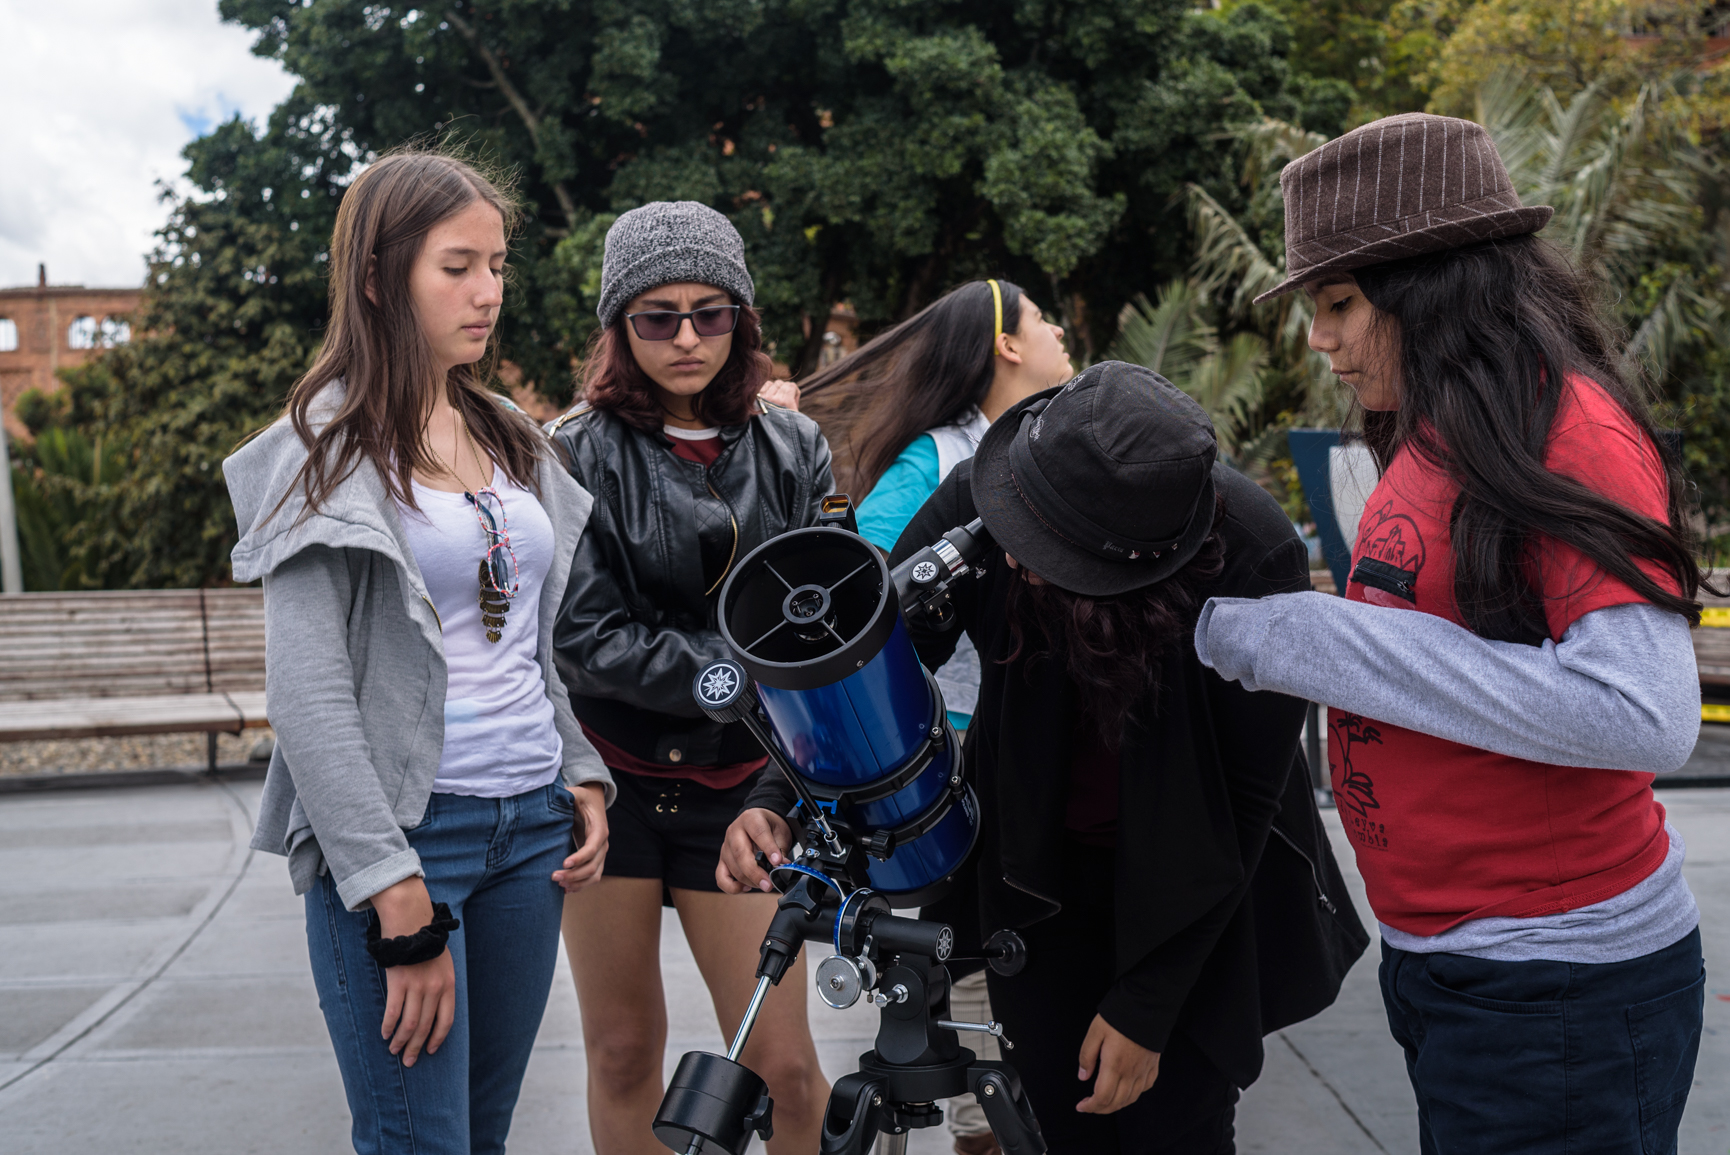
{"x": 670, "y": 829}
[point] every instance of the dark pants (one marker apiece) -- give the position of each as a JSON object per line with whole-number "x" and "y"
{"x": 1537, "y": 1057}
{"x": 1046, "y": 1010}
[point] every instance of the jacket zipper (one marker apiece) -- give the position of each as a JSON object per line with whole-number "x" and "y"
{"x": 734, "y": 522}
{"x": 1315, "y": 875}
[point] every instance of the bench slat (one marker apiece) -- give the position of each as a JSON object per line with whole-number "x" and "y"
{"x": 114, "y": 717}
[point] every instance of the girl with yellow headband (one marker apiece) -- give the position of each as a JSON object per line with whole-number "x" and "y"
{"x": 900, "y": 414}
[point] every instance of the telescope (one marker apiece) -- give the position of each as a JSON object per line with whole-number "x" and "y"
{"x": 825, "y": 675}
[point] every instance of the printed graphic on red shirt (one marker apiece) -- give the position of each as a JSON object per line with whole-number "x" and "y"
{"x": 1354, "y": 789}
{"x": 1389, "y": 557}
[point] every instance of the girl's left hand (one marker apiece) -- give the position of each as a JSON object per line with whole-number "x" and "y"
{"x": 1126, "y": 1069}
{"x": 585, "y": 865}
{"x": 782, "y": 393}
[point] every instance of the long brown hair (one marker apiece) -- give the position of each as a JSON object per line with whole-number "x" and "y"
{"x": 925, "y": 372}
{"x": 611, "y": 379}
{"x": 377, "y": 349}
{"x": 1115, "y": 648}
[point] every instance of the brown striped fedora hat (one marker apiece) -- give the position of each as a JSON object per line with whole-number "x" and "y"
{"x": 1397, "y": 187}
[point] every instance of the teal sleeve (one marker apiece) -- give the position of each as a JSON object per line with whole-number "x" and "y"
{"x": 903, "y": 488}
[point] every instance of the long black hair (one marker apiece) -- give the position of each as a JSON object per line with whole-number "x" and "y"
{"x": 925, "y": 372}
{"x": 1487, "y": 336}
{"x": 1115, "y": 648}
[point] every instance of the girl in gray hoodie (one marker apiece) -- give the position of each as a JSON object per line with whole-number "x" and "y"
{"x": 430, "y": 787}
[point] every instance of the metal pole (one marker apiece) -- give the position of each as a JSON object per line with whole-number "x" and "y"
{"x": 11, "y": 562}
{"x": 750, "y": 1019}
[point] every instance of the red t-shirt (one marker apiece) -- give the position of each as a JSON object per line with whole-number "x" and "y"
{"x": 704, "y": 450}
{"x": 1446, "y": 832}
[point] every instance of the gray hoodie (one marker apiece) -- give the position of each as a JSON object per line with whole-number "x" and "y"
{"x": 355, "y": 665}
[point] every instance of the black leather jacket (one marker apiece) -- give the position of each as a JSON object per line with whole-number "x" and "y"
{"x": 638, "y": 619}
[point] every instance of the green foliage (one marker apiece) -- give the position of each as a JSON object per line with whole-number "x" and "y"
{"x": 61, "y": 487}
{"x": 235, "y": 298}
{"x": 873, "y": 151}
{"x": 1175, "y": 340}
{"x": 869, "y": 151}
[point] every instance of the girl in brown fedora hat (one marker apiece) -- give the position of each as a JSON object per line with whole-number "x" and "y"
{"x": 1511, "y": 664}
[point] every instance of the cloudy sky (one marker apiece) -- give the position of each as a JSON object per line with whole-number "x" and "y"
{"x": 100, "y": 96}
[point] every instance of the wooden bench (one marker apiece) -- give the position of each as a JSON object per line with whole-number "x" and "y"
{"x": 109, "y": 664}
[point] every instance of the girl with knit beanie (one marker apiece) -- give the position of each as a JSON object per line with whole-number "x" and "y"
{"x": 1511, "y": 665}
{"x": 691, "y": 470}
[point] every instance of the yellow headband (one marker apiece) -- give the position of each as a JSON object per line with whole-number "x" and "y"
{"x": 997, "y": 307}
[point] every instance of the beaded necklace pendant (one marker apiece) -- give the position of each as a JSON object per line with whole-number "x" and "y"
{"x": 494, "y": 605}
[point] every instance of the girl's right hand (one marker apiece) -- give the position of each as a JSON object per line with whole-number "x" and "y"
{"x": 751, "y": 832}
{"x": 420, "y": 1000}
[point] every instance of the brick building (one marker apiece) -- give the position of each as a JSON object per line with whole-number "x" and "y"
{"x": 48, "y": 327}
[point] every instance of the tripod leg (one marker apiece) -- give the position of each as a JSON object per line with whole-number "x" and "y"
{"x": 998, "y": 1089}
{"x": 854, "y": 1116}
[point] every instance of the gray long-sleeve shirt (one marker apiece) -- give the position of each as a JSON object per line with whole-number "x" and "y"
{"x": 1620, "y": 690}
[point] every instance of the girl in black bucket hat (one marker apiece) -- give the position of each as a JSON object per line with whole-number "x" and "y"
{"x": 1148, "y": 827}
{"x": 1511, "y": 664}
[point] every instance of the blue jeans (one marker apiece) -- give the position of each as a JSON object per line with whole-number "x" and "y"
{"x": 1539, "y": 1057}
{"x": 491, "y": 859}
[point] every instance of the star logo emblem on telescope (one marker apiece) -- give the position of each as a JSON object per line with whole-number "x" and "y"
{"x": 719, "y": 684}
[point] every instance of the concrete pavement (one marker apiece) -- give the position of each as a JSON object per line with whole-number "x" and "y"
{"x": 154, "y": 997}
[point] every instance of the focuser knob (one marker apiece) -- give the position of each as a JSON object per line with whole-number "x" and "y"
{"x": 724, "y": 691}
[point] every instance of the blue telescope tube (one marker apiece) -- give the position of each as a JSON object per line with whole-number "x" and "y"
{"x": 847, "y": 699}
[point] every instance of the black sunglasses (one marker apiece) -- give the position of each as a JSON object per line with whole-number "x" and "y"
{"x": 663, "y": 324}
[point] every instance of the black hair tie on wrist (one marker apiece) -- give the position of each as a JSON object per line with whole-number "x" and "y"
{"x": 423, "y": 945}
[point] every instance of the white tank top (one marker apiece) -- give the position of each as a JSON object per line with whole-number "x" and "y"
{"x": 959, "y": 676}
{"x": 499, "y": 734}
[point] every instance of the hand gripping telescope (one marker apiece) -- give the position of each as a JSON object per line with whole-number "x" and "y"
{"x": 827, "y": 680}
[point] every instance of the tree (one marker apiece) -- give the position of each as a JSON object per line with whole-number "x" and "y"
{"x": 868, "y": 150}
{"x": 1565, "y": 46}
{"x": 234, "y": 301}
{"x": 872, "y": 151}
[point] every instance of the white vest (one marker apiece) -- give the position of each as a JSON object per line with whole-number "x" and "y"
{"x": 959, "y": 677}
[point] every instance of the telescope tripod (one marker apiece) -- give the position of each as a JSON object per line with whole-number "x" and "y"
{"x": 714, "y": 1104}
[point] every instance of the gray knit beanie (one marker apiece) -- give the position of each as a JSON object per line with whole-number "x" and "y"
{"x": 667, "y": 241}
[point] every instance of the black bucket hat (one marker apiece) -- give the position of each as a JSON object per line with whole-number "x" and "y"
{"x": 1102, "y": 485}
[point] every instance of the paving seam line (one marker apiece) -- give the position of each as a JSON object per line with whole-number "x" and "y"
{"x": 148, "y": 981}
{"x": 1338, "y": 1098}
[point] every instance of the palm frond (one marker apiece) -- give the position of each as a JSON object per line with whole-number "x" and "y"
{"x": 1228, "y": 385}
{"x": 1168, "y": 337}
{"x": 1686, "y": 313}
{"x": 1509, "y": 109}
{"x": 1225, "y": 256}
{"x": 1271, "y": 144}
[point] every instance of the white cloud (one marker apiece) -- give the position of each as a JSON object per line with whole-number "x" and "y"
{"x": 99, "y": 97}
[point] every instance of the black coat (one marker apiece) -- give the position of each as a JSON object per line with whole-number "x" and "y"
{"x": 638, "y": 621}
{"x": 1223, "y": 931}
